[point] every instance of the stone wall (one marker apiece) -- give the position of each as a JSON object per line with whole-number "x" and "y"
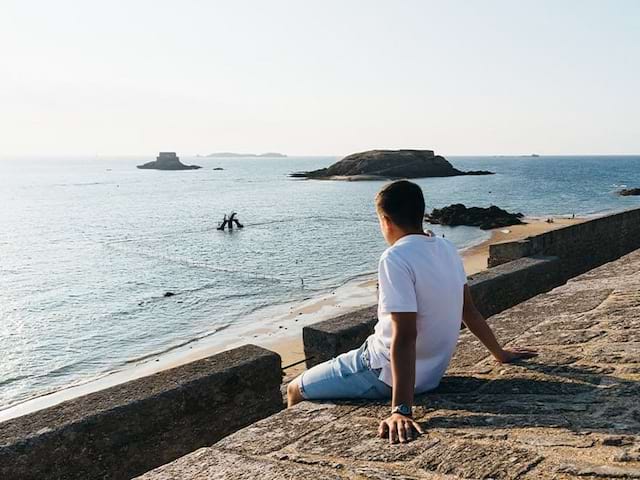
{"x": 580, "y": 247}
{"x": 493, "y": 290}
{"x": 128, "y": 429}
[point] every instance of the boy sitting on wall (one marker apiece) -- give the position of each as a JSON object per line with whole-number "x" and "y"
{"x": 423, "y": 296}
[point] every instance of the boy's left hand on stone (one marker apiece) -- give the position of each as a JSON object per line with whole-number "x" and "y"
{"x": 399, "y": 428}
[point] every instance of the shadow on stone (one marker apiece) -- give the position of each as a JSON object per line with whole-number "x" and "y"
{"x": 572, "y": 397}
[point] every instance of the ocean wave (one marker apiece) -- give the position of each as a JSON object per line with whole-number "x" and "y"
{"x": 82, "y": 184}
{"x": 253, "y": 275}
{"x": 8, "y": 381}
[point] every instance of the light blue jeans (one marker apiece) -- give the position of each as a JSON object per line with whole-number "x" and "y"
{"x": 349, "y": 375}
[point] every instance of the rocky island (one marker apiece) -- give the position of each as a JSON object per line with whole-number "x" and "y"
{"x": 628, "y": 192}
{"x": 168, "y": 161}
{"x": 388, "y": 164}
{"x": 485, "y": 218}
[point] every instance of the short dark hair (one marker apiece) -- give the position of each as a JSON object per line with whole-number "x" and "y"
{"x": 402, "y": 201}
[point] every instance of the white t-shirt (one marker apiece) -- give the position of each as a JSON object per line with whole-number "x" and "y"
{"x": 424, "y": 275}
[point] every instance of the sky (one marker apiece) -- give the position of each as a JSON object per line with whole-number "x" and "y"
{"x": 320, "y": 78}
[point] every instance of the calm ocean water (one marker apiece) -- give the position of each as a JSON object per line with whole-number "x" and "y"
{"x": 89, "y": 246}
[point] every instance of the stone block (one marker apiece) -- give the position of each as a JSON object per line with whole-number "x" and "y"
{"x": 581, "y": 247}
{"x": 328, "y": 339}
{"x": 130, "y": 428}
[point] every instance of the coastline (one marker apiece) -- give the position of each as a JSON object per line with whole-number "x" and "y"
{"x": 281, "y": 326}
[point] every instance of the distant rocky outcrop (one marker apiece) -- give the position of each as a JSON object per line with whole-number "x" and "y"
{"x": 234, "y": 155}
{"x": 485, "y": 218}
{"x": 168, "y": 161}
{"x": 388, "y": 164}
{"x": 627, "y": 192}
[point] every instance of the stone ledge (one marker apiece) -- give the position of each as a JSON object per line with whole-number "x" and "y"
{"x": 327, "y": 339}
{"x": 130, "y": 428}
{"x": 582, "y": 246}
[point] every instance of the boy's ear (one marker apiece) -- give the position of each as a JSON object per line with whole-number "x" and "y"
{"x": 388, "y": 220}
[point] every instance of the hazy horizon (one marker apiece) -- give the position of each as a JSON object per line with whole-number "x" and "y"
{"x": 491, "y": 78}
{"x": 125, "y": 156}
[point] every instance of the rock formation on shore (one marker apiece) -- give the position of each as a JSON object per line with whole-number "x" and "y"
{"x": 168, "y": 161}
{"x": 626, "y": 192}
{"x": 485, "y": 218}
{"x": 388, "y": 164}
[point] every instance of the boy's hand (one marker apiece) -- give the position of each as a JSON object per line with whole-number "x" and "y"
{"x": 508, "y": 355}
{"x": 399, "y": 428}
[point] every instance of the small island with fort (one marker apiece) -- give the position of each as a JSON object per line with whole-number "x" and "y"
{"x": 167, "y": 161}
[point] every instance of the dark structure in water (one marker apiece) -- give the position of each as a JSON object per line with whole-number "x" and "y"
{"x": 227, "y": 222}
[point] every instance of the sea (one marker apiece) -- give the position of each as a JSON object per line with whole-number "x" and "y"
{"x": 89, "y": 248}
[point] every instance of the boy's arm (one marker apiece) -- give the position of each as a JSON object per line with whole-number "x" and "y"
{"x": 477, "y": 325}
{"x": 403, "y": 370}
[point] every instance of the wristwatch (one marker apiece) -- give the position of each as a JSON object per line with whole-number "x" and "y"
{"x": 402, "y": 409}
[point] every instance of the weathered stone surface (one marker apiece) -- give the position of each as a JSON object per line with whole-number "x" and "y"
{"x": 560, "y": 337}
{"x": 617, "y": 440}
{"x": 476, "y": 460}
{"x": 570, "y": 413}
{"x": 273, "y": 433}
{"x": 211, "y": 463}
{"x": 551, "y": 439}
{"x": 616, "y": 353}
{"x": 127, "y": 429}
{"x": 600, "y": 471}
{"x": 336, "y": 441}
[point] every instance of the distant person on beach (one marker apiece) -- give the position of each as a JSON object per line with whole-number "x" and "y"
{"x": 423, "y": 297}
